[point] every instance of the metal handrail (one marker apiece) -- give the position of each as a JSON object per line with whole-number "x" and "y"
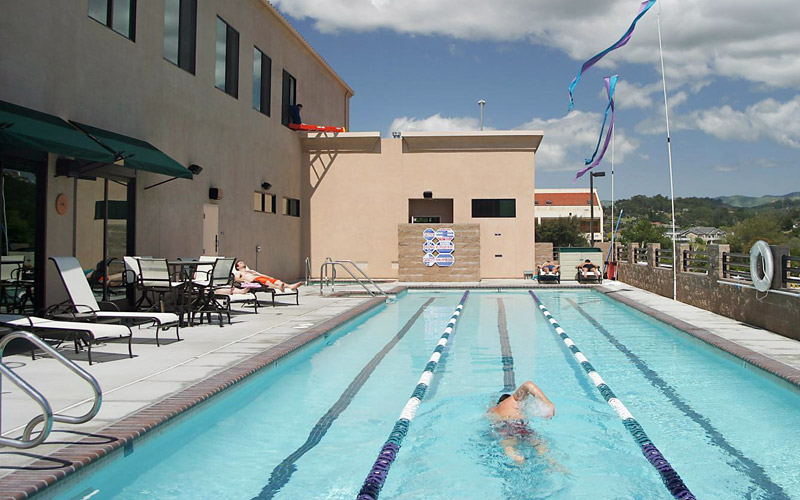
{"x": 308, "y": 270}
{"x": 791, "y": 274}
{"x": 47, "y": 417}
{"x": 323, "y": 275}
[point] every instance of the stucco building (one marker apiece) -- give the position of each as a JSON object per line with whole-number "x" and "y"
{"x": 555, "y": 203}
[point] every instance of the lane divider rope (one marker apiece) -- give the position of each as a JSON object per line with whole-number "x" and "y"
{"x": 669, "y": 476}
{"x": 380, "y": 469}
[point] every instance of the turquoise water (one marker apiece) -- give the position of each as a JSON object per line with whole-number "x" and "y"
{"x": 728, "y": 431}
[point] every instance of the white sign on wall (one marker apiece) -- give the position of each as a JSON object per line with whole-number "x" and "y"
{"x": 438, "y": 247}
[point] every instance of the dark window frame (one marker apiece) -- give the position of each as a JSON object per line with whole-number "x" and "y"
{"x": 109, "y": 20}
{"x": 187, "y": 36}
{"x": 291, "y": 207}
{"x": 484, "y": 208}
{"x": 264, "y": 197}
{"x": 265, "y": 95}
{"x": 231, "y": 60}
{"x": 288, "y": 96}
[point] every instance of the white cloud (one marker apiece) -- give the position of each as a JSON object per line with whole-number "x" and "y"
{"x": 738, "y": 39}
{"x": 768, "y": 119}
{"x": 568, "y": 140}
{"x": 435, "y": 123}
{"x": 726, "y": 168}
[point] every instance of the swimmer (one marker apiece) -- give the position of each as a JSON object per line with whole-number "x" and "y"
{"x": 511, "y": 424}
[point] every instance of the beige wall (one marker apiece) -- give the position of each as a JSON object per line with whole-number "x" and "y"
{"x": 57, "y": 60}
{"x": 359, "y": 187}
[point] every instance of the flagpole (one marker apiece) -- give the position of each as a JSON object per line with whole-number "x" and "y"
{"x": 613, "y": 143}
{"x": 669, "y": 154}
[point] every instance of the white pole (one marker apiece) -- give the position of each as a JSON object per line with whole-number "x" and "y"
{"x": 481, "y": 103}
{"x": 669, "y": 154}
{"x": 613, "y": 143}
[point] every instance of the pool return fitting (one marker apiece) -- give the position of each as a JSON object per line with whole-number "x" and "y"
{"x": 669, "y": 476}
{"x": 380, "y": 469}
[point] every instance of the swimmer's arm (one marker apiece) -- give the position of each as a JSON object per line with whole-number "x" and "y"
{"x": 531, "y": 389}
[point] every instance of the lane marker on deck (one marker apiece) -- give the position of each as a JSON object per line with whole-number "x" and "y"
{"x": 380, "y": 469}
{"x": 669, "y": 476}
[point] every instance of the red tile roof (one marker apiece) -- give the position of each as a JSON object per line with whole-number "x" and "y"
{"x": 565, "y": 199}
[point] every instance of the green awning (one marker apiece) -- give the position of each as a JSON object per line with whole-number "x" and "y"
{"x": 28, "y": 128}
{"x": 138, "y": 154}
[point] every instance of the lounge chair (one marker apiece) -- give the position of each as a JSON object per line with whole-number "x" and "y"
{"x": 590, "y": 278}
{"x": 83, "y": 300}
{"x": 542, "y": 277}
{"x": 68, "y": 330}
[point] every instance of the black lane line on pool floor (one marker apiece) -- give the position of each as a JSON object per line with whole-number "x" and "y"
{"x": 284, "y": 470}
{"x": 507, "y": 358}
{"x": 756, "y": 473}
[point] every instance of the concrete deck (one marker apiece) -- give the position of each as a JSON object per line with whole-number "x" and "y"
{"x": 141, "y": 393}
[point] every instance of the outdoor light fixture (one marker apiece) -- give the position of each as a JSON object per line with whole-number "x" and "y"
{"x": 427, "y": 195}
{"x": 592, "y": 175}
{"x": 265, "y": 186}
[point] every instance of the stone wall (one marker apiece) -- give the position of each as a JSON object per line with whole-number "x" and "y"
{"x": 776, "y": 312}
{"x": 542, "y": 252}
{"x": 467, "y": 265}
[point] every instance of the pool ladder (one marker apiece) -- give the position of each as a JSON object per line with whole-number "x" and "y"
{"x": 47, "y": 416}
{"x": 352, "y": 269}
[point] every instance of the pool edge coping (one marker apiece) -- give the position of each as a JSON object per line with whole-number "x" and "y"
{"x": 28, "y": 481}
{"x": 770, "y": 365}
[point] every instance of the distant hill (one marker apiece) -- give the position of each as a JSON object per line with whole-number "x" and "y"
{"x": 754, "y": 201}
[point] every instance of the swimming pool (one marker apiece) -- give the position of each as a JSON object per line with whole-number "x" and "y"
{"x": 311, "y": 426}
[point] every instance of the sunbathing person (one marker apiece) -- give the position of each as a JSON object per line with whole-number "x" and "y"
{"x": 549, "y": 268}
{"x": 587, "y": 267}
{"x": 243, "y": 274}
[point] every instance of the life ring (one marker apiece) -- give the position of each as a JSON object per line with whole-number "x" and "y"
{"x": 761, "y": 252}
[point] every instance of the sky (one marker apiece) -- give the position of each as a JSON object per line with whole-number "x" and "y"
{"x": 732, "y": 74}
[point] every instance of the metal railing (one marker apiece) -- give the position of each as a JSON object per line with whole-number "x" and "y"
{"x": 349, "y": 266}
{"x": 695, "y": 262}
{"x": 664, "y": 258}
{"x": 736, "y": 266}
{"x": 640, "y": 255}
{"x": 308, "y": 270}
{"x": 47, "y": 417}
{"x": 790, "y": 271}
{"x": 622, "y": 253}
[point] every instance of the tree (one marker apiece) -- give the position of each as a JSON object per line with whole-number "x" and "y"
{"x": 561, "y": 232}
{"x": 643, "y": 232}
{"x": 742, "y": 236}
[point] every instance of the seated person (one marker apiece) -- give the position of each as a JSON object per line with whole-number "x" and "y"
{"x": 243, "y": 274}
{"x": 587, "y": 267}
{"x": 510, "y": 422}
{"x": 548, "y": 268}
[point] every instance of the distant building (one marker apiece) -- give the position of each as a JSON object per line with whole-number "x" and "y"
{"x": 555, "y": 203}
{"x": 709, "y": 235}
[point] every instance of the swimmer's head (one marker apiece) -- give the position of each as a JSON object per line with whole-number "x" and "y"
{"x": 503, "y": 398}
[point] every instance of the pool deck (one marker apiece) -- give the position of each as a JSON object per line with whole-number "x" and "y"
{"x": 142, "y": 393}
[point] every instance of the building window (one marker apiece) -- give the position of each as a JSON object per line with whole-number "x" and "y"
{"x": 494, "y": 208}
{"x": 119, "y": 15}
{"x": 264, "y": 202}
{"x": 226, "y": 70}
{"x": 262, "y": 81}
{"x": 289, "y": 96}
{"x": 180, "y": 32}
{"x": 291, "y": 207}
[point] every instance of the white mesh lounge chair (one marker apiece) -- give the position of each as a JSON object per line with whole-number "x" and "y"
{"x": 68, "y": 330}
{"x": 83, "y": 300}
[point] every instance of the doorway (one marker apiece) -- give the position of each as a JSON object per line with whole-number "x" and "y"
{"x": 210, "y": 229}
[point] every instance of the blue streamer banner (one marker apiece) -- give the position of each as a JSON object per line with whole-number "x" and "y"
{"x": 643, "y": 8}
{"x": 611, "y": 86}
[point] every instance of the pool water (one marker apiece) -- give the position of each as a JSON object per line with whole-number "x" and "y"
{"x": 312, "y": 426}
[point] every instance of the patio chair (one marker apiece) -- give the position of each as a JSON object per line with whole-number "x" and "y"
{"x": 219, "y": 277}
{"x": 75, "y": 331}
{"x": 83, "y": 300}
{"x": 590, "y": 278}
{"x": 548, "y": 278}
